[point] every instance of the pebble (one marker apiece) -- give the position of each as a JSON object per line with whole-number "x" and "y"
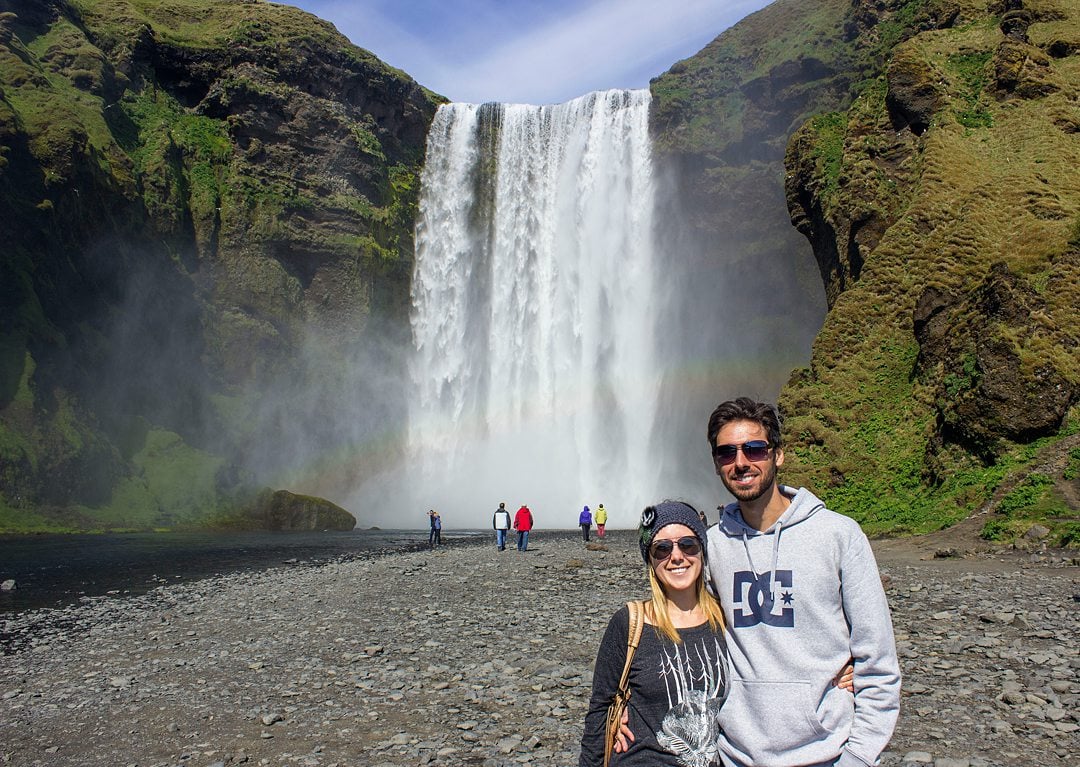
{"x": 471, "y": 656}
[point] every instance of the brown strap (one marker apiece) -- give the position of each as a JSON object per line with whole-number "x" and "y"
{"x": 633, "y": 637}
{"x": 622, "y": 697}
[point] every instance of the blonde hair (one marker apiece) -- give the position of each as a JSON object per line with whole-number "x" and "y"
{"x": 657, "y": 609}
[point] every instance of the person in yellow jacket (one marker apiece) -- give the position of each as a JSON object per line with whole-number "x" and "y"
{"x": 600, "y": 518}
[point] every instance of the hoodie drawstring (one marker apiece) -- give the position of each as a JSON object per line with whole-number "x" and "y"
{"x": 775, "y": 559}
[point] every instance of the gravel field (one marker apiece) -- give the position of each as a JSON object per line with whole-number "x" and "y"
{"x": 471, "y": 656}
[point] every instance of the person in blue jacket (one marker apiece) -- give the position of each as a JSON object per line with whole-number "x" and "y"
{"x": 585, "y": 521}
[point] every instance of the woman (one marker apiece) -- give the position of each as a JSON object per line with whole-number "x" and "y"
{"x": 585, "y": 522}
{"x": 678, "y": 676}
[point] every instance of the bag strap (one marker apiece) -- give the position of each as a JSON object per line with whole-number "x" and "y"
{"x": 633, "y": 639}
{"x": 633, "y": 636}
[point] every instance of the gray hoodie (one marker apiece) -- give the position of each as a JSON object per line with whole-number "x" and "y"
{"x": 800, "y": 599}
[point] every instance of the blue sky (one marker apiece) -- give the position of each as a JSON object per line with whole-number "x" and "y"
{"x": 530, "y": 51}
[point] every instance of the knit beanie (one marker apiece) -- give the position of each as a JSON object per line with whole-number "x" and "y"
{"x": 654, "y": 518}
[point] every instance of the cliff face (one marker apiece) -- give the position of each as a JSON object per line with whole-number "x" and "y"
{"x": 943, "y": 208}
{"x": 721, "y": 123}
{"x": 208, "y": 212}
{"x": 926, "y": 150}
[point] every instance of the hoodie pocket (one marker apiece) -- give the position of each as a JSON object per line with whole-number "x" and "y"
{"x": 766, "y": 721}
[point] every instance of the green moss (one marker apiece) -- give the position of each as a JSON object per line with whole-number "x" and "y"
{"x": 22, "y": 521}
{"x": 829, "y": 132}
{"x": 971, "y": 70}
{"x": 1032, "y": 501}
{"x": 368, "y": 143}
{"x": 1072, "y": 469}
{"x": 1074, "y": 233}
{"x": 901, "y": 24}
{"x": 174, "y": 486}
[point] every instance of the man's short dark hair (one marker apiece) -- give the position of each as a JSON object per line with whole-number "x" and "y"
{"x": 746, "y": 409}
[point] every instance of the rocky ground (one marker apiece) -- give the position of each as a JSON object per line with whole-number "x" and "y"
{"x": 470, "y": 656}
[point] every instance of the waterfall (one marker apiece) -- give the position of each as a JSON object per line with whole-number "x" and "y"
{"x": 533, "y": 311}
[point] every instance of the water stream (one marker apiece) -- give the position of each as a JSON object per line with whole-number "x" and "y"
{"x": 534, "y": 308}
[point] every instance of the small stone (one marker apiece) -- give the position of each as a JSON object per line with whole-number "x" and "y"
{"x": 918, "y": 757}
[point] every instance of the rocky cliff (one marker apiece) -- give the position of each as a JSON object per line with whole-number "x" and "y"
{"x": 208, "y": 213}
{"x": 206, "y": 249}
{"x": 926, "y": 149}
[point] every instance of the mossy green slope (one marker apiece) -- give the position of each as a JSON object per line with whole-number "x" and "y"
{"x": 943, "y": 207}
{"x": 915, "y": 144}
{"x": 206, "y": 206}
{"x": 721, "y": 122}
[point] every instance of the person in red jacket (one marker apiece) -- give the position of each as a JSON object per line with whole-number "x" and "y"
{"x": 523, "y": 523}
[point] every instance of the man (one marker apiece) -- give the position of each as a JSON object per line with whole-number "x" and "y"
{"x": 801, "y": 595}
{"x": 435, "y": 536}
{"x": 501, "y": 522}
{"x": 523, "y": 523}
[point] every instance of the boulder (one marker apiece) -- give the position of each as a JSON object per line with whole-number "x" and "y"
{"x": 285, "y": 511}
{"x": 991, "y": 354}
{"x": 913, "y": 95}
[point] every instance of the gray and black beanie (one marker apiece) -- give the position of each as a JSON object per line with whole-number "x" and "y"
{"x": 670, "y": 513}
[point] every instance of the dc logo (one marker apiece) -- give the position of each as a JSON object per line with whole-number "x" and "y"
{"x": 753, "y": 592}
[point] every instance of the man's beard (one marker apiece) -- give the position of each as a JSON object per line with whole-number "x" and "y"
{"x": 766, "y": 480}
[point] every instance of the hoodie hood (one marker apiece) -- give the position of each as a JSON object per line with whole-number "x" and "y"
{"x": 804, "y": 505}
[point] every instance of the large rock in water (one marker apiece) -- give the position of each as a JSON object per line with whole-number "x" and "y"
{"x": 285, "y": 511}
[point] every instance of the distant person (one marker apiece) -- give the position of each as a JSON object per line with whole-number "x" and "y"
{"x": 523, "y": 523}
{"x": 501, "y": 522}
{"x": 801, "y": 594}
{"x": 585, "y": 522}
{"x": 600, "y": 518}
{"x": 435, "y": 536}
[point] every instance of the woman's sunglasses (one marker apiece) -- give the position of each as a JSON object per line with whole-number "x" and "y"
{"x": 754, "y": 450}
{"x": 688, "y": 545}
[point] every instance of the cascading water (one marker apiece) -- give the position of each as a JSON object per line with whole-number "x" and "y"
{"x": 534, "y": 305}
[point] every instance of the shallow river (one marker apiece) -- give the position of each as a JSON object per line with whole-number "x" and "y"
{"x": 57, "y": 570}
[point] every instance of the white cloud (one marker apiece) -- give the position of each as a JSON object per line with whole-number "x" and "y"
{"x": 528, "y": 51}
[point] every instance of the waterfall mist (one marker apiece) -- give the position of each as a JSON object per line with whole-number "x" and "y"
{"x": 534, "y": 378}
{"x": 571, "y": 330}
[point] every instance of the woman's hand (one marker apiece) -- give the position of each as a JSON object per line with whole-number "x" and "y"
{"x": 625, "y": 737}
{"x": 845, "y": 680}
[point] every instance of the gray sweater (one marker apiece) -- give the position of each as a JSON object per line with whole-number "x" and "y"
{"x": 800, "y": 599}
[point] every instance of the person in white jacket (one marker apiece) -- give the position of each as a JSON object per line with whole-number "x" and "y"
{"x": 801, "y": 594}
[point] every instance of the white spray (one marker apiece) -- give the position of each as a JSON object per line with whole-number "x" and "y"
{"x": 534, "y": 378}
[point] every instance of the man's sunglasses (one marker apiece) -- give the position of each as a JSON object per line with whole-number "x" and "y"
{"x": 661, "y": 550}
{"x": 754, "y": 450}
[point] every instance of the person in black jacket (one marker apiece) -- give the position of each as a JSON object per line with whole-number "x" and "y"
{"x": 679, "y": 673}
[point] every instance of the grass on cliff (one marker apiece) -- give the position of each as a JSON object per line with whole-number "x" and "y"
{"x": 51, "y": 90}
{"x": 700, "y": 103}
{"x": 993, "y": 179}
{"x": 174, "y": 485}
{"x": 277, "y": 31}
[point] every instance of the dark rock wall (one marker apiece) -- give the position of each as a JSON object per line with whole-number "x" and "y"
{"x": 943, "y": 210}
{"x": 207, "y": 228}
